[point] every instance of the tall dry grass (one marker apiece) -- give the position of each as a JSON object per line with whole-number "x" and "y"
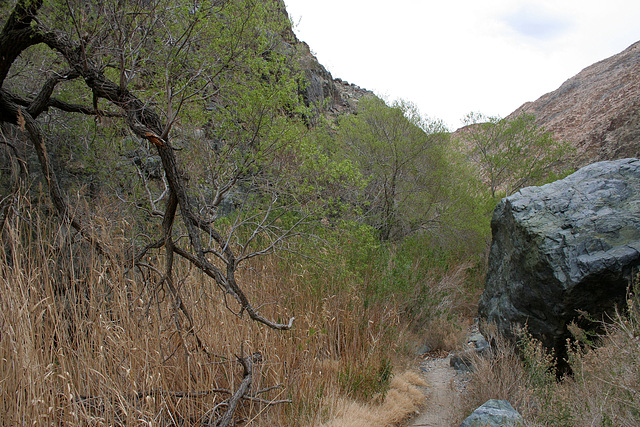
{"x": 84, "y": 342}
{"x": 447, "y": 318}
{"x": 602, "y": 390}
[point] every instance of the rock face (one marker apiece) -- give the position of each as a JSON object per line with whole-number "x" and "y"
{"x": 597, "y": 110}
{"x": 566, "y": 246}
{"x": 322, "y": 91}
{"x": 494, "y": 413}
{"x": 463, "y": 361}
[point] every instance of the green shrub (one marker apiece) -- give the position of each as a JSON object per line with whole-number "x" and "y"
{"x": 367, "y": 380}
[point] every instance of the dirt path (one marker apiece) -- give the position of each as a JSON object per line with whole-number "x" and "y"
{"x": 443, "y": 395}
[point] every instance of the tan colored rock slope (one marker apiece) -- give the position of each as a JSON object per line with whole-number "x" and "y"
{"x": 598, "y": 110}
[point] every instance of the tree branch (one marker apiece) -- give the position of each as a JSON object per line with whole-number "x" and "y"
{"x": 28, "y": 124}
{"x": 17, "y": 34}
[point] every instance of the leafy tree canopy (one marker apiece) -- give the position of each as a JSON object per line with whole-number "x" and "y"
{"x": 400, "y": 155}
{"x": 513, "y": 153}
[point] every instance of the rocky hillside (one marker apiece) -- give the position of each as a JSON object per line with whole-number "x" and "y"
{"x": 327, "y": 94}
{"x": 332, "y": 96}
{"x": 598, "y": 110}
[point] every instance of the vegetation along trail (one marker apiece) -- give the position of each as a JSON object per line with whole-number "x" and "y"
{"x": 200, "y": 226}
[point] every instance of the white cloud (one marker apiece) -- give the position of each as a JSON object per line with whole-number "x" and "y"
{"x": 453, "y": 57}
{"x": 538, "y": 23}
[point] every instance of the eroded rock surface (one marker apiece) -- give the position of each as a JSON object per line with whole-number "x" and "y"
{"x": 563, "y": 248}
{"x": 494, "y": 413}
{"x": 597, "y": 110}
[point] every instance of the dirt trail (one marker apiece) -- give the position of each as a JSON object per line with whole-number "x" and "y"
{"x": 443, "y": 395}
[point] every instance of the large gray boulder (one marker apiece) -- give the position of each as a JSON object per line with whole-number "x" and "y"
{"x": 562, "y": 248}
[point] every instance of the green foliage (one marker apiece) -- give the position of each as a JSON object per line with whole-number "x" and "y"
{"x": 338, "y": 258}
{"x": 405, "y": 175}
{"x": 414, "y": 273}
{"x": 226, "y": 85}
{"x": 439, "y": 211}
{"x": 513, "y": 153}
{"x": 366, "y": 380}
{"x": 403, "y": 268}
{"x": 470, "y": 207}
{"x": 401, "y": 158}
{"x": 321, "y": 171}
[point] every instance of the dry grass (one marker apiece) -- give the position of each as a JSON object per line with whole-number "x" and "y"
{"x": 445, "y": 318}
{"x": 82, "y": 342}
{"x": 603, "y": 390}
{"x": 605, "y": 387}
{"x": 403, "y": 399}
{"x": 502, "y": 376}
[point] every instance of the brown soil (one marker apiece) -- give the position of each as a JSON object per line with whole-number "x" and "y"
{"x": 443, "y": 392}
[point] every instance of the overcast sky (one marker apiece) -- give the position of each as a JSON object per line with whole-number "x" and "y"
{"x": 451, "y": 57}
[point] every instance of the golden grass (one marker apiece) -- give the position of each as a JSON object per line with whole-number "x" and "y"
{"x": 603, "y": 390}
{"x": 82, "y": 342}
{"x": 403, "y": 399}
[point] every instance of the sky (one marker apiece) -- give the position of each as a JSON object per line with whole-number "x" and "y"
{"x": 453, "y": 57}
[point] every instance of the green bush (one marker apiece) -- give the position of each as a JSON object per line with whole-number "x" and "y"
{"x": 366, "y": 380}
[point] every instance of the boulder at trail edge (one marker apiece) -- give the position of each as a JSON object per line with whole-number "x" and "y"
{"x": 564, "y": 252}
{"x": 494, "y": 413}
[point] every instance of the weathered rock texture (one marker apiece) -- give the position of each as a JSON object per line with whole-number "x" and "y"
{"x": 598, "y": 110}
{"x": 494, "y": 413}
{"x": 566, "y": 246}
{"x": 322, "y": 91}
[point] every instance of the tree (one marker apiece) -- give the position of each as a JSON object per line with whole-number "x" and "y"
{"x": 400, "y": 156}
{"x": 512, "y": 153}
{"x": 209, "y": 85}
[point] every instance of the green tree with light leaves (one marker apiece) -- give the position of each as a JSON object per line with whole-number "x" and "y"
{"x": 515, "y": 152}
{"x": 400, "y": 157}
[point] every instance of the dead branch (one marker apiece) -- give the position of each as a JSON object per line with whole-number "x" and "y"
{"x": 230, "y": 286}
{"x": 88, "y": 401}
{"x": 28, "y": 124}
{"x": 243, "y": 389}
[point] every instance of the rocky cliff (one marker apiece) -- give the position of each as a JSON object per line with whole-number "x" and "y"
{"x": 597, "y": 110}
{"x": 321, "y": 90}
